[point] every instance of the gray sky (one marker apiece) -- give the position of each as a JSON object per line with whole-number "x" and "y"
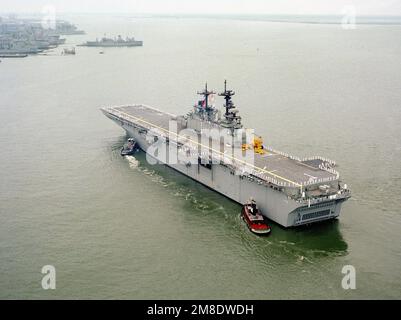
{"x": 363, "y": 7}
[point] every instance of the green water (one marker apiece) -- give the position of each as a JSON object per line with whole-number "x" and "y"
{"x": 122, "y": 228}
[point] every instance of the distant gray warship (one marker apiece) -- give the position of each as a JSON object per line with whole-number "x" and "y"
{"x": 288, "y": 190}
{"x": 119, "y": 42}
{"x": 67, "y": 28}
{"x": 20, "y": 37}
{"x": 16, "y": 47}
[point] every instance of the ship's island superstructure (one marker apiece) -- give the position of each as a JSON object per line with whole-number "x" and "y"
{"x": 288, "y": 190}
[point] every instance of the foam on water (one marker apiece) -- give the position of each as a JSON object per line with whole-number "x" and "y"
{"x": 133, "y": 162}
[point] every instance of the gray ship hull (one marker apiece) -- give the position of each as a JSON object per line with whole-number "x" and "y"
{"x": 112, "y": 45}
{"x": 275, "y": 205}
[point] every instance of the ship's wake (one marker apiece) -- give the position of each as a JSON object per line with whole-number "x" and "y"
{"x": 133, "y": 162}
{"x": 196, "y": 201}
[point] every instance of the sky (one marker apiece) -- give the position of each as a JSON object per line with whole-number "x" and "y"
{"x": 335, "y": 7}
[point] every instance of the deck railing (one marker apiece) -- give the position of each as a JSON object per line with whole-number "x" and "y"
{"x": 246, "y": 169}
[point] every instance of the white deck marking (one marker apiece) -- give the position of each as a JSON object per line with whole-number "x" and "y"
{"x": 312, "y": 177}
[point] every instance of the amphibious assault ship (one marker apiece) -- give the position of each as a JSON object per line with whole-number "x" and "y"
{"x": 289, "y": 190}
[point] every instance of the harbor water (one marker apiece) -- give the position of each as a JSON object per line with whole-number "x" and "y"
{"x": 116, "y": 227}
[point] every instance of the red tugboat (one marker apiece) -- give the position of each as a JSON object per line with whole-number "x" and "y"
{"x": 254, "y": 218}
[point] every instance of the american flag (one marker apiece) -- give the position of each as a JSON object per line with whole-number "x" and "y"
{"x": 211, "y": 101}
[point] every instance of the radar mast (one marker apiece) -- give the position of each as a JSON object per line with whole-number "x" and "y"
{"x": 227, "y": 94}
{"x": 206, "y": 93}
{"x": 232, "y": 119}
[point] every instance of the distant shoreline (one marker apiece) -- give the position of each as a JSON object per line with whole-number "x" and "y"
{"x": 282, "y": 18}
{"x": 305, "y": 19}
